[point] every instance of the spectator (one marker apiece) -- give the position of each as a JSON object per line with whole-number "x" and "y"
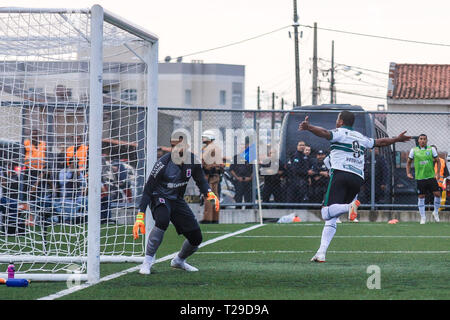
{"x": 272, "y": 180}
{"x": 319, "y": 178}
{"x": 72, "y": 185}
{"x": 213, "y": 167}
{"x": 42, "y": 192}
{"x": 443, "y": 174}
{"x": 307, "y": 157}
{"x": 242, "y": 172}
{"x": 35, "y": 149}
{"x": 120, "y": 186}
{"x": 9, "y": 197}
{"x": 297, "y": 173}
{"x": 444, "y": 171}
{"x": 79, "y": 151}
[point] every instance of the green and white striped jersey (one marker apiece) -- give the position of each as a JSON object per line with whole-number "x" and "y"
{"x": 347, "y": 150}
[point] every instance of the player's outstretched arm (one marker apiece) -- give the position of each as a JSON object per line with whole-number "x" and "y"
{"x": 383, "y": 142}
{"x": 318, "y": 131}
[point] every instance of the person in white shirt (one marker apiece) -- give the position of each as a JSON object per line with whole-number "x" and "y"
{"x": 347, "y": 171}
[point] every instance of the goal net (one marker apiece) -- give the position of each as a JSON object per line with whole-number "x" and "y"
{"x": 79, "y": 125}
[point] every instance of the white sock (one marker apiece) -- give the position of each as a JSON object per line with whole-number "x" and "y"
{"x": 178, "y": 259}
{"x": 421, "y": 205}
{"x": 437, "y": 203}
{"x": 149, "y": 259}
{"x": 335, "y": 210}
{"x": 329, "y": 229}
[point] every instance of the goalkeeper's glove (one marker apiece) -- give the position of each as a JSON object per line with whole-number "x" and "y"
{"x": 139, "y": 225}
{"x": 212, "y": 197}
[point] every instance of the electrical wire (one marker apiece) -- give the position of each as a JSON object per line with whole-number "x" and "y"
{"x": 378, "y": 37}
{"x": 234, "y": 43}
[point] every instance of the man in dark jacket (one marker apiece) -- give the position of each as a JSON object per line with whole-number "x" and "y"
{"x": 242, "y": 171}
{"x": 320, "y": 178}
{"x": 297, "y": 173}
{"x": 164, "y": 192}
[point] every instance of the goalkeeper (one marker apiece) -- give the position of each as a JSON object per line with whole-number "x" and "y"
{"x": 164, "y": 192}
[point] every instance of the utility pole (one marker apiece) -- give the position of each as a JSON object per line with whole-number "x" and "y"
{"x": 314, "y": 69}
{"x": 258, "y": 98}
{"x": 297, "y": 66}
{"x": 332, "y": 98}
{"x": 273, "y": 109}
{"x": 282, "y": 103}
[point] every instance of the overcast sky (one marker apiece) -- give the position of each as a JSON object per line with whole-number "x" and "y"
{"x": 185, "y": 27}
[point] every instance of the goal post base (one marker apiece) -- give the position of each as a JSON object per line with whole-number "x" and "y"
{"x": 73, "y": 277}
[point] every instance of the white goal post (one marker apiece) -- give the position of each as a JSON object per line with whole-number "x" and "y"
{"x": 68, "y": 74}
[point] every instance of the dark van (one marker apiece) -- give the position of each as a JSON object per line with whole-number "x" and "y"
{"x": 368, "y": 124}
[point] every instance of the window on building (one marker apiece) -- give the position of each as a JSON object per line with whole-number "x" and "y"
{"x": 223, "y": 97}
{"x": 187, "y": 97}
{"x": 129, "y": 95}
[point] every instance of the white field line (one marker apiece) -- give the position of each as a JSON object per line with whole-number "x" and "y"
{"x": 362, "y": 236}
{"x": 204, "y": 232}
{"x": 343, "y": 224}
{"x": 134, "y": 269}
{"x": 313, "y": 251}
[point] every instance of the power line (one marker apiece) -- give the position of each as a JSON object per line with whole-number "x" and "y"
{"x": 235, "y": 43}
{"x": 347, "y": 65}
{"x": 380, "y": 37}
{"x": 355, "y": 93}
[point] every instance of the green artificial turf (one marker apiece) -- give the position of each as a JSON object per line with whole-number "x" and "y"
{"x": 272, "y": 263}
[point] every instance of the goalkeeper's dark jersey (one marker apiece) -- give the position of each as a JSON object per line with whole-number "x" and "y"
{"x": 169, "y": 180}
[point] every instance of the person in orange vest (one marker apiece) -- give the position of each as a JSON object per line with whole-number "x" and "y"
{"x": 443, "y": 174}
{"x": 35, "y": 150}
{"x": 78, "y": 151}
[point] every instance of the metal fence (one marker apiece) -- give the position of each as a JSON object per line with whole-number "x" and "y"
{"x": 303, "y": 182}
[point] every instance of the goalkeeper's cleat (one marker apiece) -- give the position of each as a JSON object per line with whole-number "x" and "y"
{"x": 318, "y": 257}
{"x": 353, "y": 210}
{"x": 436, "y": 216}
{"x": 181, "y": 264}
{"x": 422, "y": 220}
{"x": 145, "y": 268}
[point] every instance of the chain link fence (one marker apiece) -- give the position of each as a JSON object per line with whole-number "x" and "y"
{"x": 292, "y": 164}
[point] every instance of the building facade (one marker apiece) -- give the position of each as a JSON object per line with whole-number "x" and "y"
{"x": 415, "y": 89}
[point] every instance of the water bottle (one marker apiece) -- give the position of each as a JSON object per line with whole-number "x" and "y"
{"x": 11, "y": 270}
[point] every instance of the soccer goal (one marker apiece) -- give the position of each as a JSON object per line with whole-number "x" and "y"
{"x": 78, "y": 115}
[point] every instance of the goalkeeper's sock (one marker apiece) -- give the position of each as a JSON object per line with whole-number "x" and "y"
{"x": 421, "y": 205}
{"x": 186, "y": 250}
{"x": 437, "y": 203}
{"x": 328, "y": 232}
{"x": 154, "y": 241}
{"x": 334, "y": 211}
{"x": 149, "y": 259}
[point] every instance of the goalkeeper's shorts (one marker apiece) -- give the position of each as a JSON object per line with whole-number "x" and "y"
{"x": 180, "y": 213}
{"x": 342, "y": 187}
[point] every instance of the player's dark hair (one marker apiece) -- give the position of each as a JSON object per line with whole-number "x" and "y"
{"x": 348, "y": 118}
{"x": 423, "y": 135}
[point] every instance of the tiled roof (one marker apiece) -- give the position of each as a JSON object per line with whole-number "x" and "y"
{"x": 419, "y": 81}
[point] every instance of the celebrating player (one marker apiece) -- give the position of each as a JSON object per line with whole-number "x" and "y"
{"x": 164, "y": 192}
{"x": 347, "y": 172}
{"x": 425, "y": 158}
